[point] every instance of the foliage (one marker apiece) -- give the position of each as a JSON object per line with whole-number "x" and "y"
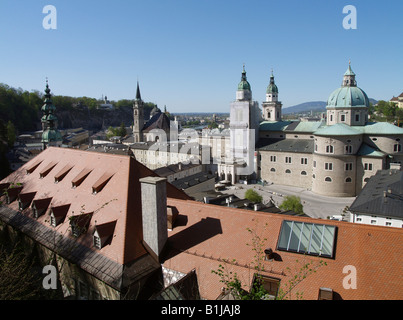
{"x": 387, "y": 111}
{"x": 299, "y": 275}
{"x": 292, "y": 203}
{"x": 234, "y": 285}
{"x": 5, "y": 143}
{"x": 116, "y": 132}
{"x": 213, "y": 125}
{"x": 231, "y": 280}
{"x": 253, "y": 196}
{"x": 18, "y": 280}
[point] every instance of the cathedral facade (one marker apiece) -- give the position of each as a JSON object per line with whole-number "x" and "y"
{"x": 335, "y": 156}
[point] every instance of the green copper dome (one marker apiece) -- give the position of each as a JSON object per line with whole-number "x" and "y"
{"x": 348, "y": 97}
{"x": 272, "y": 88}
{"x": 244, "y": 84}
{"x": 51, "y": 136}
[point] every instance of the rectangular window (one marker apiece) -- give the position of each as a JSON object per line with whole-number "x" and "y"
{"x": 329, "y": 166}
{"x": 368, "y": 166}
{"x": 349, "y": 149}
{"x": 314, "y": 164}
{"x": 271, "y": 285}
{"x": 343, "y": 117}
{"x": 304, "y": 160}
{"x": 397, "y": 148}
{"x": 357, "y": 117}
{"x": 287, "y": 159}
{"x": 329, "y": 149}
{"x": 349, "y": 166}
{"x": 307, "y": 238}
{"x": 273, "y": 158}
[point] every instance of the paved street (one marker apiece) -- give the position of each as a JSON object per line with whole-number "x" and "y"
{"x": 315, "y": 206}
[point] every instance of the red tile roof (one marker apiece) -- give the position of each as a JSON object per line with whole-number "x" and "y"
{"x": 118, "y": 196}
{"x": 206, "y": 234}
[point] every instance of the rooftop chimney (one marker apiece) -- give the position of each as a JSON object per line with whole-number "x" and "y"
{"x": 154, "y": 208}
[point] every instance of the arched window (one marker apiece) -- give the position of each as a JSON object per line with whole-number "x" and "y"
{"x": 348, "y": 180}
{"x": 329, "y": 149}
{"x": 273, "y": 170}
{"x": 328, "y": 179}
{"x": 303, "y": 173}
{"x": 288, "y": 171}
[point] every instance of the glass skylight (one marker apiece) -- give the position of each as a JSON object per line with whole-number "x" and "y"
{"x": 307, "y": 238}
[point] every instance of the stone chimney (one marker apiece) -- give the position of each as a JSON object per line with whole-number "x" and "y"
{"x": 154, "y": 208}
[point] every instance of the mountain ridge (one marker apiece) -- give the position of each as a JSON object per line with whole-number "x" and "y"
{"x": 312, "y": 105}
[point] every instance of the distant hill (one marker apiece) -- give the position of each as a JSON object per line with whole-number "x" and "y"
{"x": 306, "y": 107}
{"x": 312, "y": 105}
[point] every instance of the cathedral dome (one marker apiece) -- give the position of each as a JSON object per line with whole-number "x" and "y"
{"x": 348, "y": 97}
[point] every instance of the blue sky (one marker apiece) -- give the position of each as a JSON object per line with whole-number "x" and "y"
{"x": 188, "y": 54}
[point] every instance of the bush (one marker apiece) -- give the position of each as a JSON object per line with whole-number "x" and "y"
{"x": 253, "y": 196}
{"x": 292, "y": 203}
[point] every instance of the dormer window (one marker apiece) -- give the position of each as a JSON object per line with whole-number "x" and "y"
{"x": 25, "y": 199}
{"x": 58, "y": 214}
{"x": 101, "y": 183}
{"x": 79, "y": 224}
{"x": 60, "y": 176}
{"x": 47, "y": 169}
{"x": 103, "y": 234}
{"x": 80, "y": 178}
{"x": 33, "y": 167}
{"x": 40, "y": 206}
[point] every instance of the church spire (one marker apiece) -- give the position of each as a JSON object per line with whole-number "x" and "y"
{"x": 244, "y": 91}
{"x": 138, "y": 95}
{"x": 50, "y": 136}
{"x": 138, "y": 116}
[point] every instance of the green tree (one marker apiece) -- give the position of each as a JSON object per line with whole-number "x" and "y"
{"x": 122, "y": 130}
{"x": 18, "y": 279}
{"x": 253, "y": 196}
{"x": 11, "y": 134}
{"x": 293, "y": 203}
{"x": 235, "y": 287}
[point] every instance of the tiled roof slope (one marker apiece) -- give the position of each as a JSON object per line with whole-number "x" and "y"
{"x": 205, "y": 234}
{"x": 105, "y": 185}
{"x": 381, "y": 196}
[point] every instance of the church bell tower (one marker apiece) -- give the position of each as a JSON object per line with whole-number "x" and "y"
{"x": 272, "y": 108}
{"x": 138, "y": 116}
